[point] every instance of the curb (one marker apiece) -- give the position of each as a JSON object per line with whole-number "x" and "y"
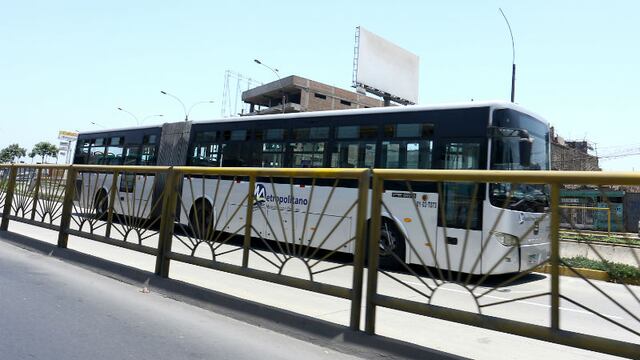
{"x": 567, "y": 271}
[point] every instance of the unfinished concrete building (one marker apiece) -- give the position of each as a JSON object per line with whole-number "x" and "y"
{"x": 300, "y": 95}
{"x": 572, "y": 155}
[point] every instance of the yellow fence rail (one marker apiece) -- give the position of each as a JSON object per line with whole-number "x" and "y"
{"x": 219, "y": 218}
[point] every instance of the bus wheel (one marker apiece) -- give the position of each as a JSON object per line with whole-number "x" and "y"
{"x": 101, "y": 203}
{"x": 196, "y": 215}
{"x": 392, "y": 246}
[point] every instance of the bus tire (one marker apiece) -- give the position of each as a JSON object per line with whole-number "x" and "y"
{"x": 101, "y": 204}
{"x": 391, "y": 245}
{"x": 195, "y": 218}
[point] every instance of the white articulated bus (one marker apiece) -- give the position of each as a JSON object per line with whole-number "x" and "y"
{"x": 505, "y": 231}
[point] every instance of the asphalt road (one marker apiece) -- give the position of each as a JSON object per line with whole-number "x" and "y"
{"x": 431, "y": 333}
{"x": 53, "y": 310}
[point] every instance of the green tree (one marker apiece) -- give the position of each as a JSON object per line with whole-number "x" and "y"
{"x": 4, "y": 156}
{"x": 45, "y": 149}
{"x": 11, "y": 152}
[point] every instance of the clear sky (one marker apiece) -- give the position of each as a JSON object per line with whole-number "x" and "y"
{"x": 65, "y": 64}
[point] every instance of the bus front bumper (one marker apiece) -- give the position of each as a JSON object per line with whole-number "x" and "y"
{"x": 533, "y": 255}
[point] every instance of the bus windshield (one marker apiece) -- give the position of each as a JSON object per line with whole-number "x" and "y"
{"x": 519, "y": 142}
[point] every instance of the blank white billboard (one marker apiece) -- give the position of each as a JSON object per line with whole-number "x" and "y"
{"x": 385, "y": 66}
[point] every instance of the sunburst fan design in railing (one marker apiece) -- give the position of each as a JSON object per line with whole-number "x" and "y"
{"x": 24, "y": 192}
{"x": 139, "y": 215}
{"x": 51, "y": 190}
{"x": 119, "y": 205}
{"x": 4, "y": 184}
{"x": 307, "y": 234}
{"x": 92, "y": 194}
{"x": 623, "y": 242}
{"x": 431, "y": 271}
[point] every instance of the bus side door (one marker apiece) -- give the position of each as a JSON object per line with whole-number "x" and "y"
{"x": 459, "y": 239}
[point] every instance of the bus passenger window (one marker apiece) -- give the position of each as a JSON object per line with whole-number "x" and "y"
{"x": 97, "y": 153}
{"x": 235, "y": 154}
{"x": 131, "y": 155}
{"x": 272, "y": 155}
{"x": 406, "y": 154}
{"x": 114, "y": 155}
{"x": 82, "y": 152}
{"x": 235, "y": 135}
{"x": 405, "y": 146}
{"x": 462, "y": 156}
{"x": 458, "y": 196}
{"x": 148, "y": 155}
{"x": 205, "y": 155}
{"x": 271, "y": 152}
{"x": 353, "y": 155}
{"x": 307, "y": 154}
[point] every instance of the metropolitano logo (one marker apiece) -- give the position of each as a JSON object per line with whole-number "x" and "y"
{"x": 259, "y": 194}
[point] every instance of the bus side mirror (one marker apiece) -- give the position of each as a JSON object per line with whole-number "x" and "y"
{"x": 525, "y": 145}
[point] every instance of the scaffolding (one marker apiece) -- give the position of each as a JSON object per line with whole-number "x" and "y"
{"x": 235, "y": 83}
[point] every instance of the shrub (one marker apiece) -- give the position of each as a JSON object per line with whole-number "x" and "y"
{"x": 619, "y": 273}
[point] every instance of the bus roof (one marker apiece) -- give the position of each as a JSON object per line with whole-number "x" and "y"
{"x": 111, "y": 130}
{"x": 374, "y": 110}
{"x": 378, "y": 110}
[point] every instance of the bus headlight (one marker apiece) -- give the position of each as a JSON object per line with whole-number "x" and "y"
{"x": 506, "y": 239}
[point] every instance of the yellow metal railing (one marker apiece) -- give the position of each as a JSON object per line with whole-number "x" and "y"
{"x": 91, "y": 201}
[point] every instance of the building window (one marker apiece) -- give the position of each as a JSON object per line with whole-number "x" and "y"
{"x": 345, "y": 102}
{"x": 320, "y": 96}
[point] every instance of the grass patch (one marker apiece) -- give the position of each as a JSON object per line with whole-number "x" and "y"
{"x": 618, "y": 273}
{"x": 619, "y": 240}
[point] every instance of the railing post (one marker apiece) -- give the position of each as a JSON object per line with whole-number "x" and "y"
{"x": 358, "y": 261}
{"x": 555, "y": 256}
{"x": 8, "y": 200}
{"x": 374, "y": 240}
{"x": 246, "y": 246}
{"x": 113, "y": 190}
{"x": 67, "y": 207}
{"x": 36, "y": 194}
{"x": 167, "y": 219}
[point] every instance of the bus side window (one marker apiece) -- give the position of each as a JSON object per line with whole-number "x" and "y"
{"x": 114, "y": 151}
{"x": 308, "y": 151}
{"x": 357, "y": 152}
{"x": 206, "y": 150}
{"x": 458, "y": 196}
{"x": 97, "y": 152}
{"x": 272, "y": 155}
{"x": 407, "y": 146}
{"x": 307, "y": 154}
{"x": 269, "y": 148}
{"x": 149, "y": 149}
{"x": 82, "y": 152}
{"x": 148, "y": 155}
{"x": 131, "y": 155}
{"x": 235, "y": 151}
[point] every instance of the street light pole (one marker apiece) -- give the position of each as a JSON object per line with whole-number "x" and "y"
{"x": 513, "y": 59}
{"x": 275, "y": 71}
{"x": 133, "y": 116}
{"x": 198, "y": 103}
{"x": 150, "y": 116}
{"x": 184, "y": 108}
